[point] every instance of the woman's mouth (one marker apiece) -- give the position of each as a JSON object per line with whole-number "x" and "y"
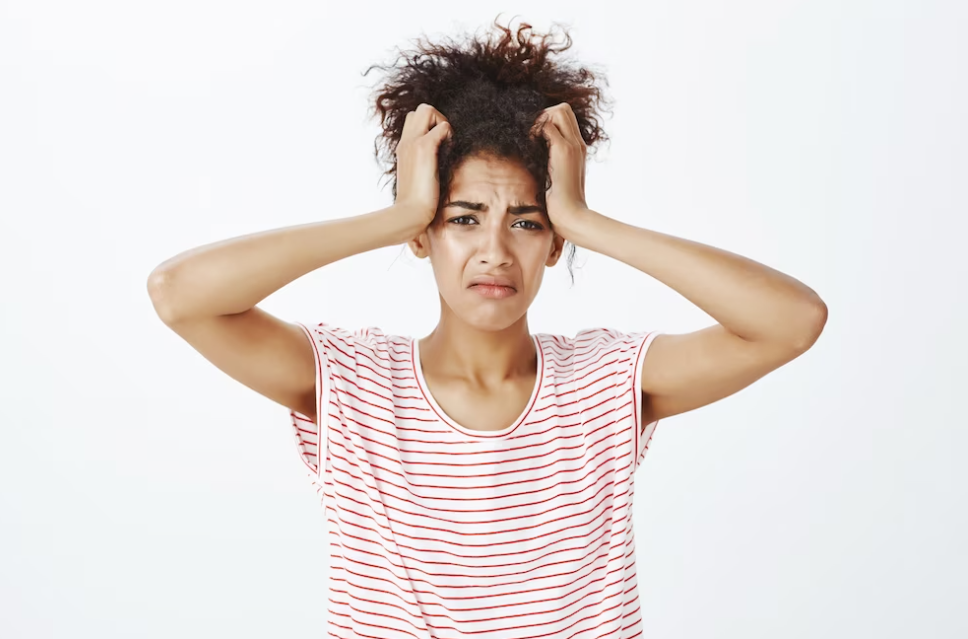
{"x": 494, "y": 292}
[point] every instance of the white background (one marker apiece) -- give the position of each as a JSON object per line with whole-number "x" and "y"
{"x": 143, "y": 493}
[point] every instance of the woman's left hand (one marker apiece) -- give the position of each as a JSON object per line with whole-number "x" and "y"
{"x": 566, "y": 163}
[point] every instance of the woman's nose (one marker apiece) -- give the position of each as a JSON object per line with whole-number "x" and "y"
{"x": 494, "y": 243}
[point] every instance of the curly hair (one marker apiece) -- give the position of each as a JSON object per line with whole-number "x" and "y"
{"x": 491, "y": 92}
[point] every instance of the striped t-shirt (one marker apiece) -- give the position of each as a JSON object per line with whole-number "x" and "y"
{"x": 439, "y": 531}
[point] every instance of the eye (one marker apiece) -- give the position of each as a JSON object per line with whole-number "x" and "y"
{"x": 534, "y": 225}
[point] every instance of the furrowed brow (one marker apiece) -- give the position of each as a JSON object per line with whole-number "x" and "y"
{"x": 517, "y": 209}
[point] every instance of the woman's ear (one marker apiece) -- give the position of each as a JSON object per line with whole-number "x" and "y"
{"x": 557, "y": 247}
{"x": 420, "y": 245}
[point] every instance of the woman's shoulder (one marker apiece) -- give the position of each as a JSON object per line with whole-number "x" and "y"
{"x": 374, "y": 337}
{"x": 593, "y": 337}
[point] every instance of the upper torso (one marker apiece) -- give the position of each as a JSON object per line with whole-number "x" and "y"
{"x": 495, "y": 516}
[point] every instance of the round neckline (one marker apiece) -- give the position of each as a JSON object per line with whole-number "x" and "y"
{"x": 484, "y": 434}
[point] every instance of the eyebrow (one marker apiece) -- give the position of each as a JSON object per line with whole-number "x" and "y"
{"x": 518, "y": 209}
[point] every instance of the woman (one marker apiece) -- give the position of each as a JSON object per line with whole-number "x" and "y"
{"x": 478, "y": 481}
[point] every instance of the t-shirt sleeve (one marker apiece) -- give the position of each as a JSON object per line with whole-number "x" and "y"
{"x": 626, "y": 352}
{"x": 339, "y": 355}
{"x": 311, "y": 440}
{"x": 639, "y": 343}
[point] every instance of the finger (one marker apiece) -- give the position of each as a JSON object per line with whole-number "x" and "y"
{"x": 432, "y": 118}
{"x": 409, "y": 128}
{"x": 573, "y": 123}
{"x": 550, "y": 132}
{"x": 563, "y": 115}
{"x": 539, "y": 121}
{"x": 441, "y": 130}
{"x": 421, "y": 120}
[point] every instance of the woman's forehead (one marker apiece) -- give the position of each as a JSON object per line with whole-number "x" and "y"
{"x": 491, "y": 176}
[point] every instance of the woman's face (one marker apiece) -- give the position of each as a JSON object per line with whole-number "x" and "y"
{"x": 463, "y": 243}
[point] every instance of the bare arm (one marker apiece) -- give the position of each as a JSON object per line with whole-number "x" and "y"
{"x": 208, "y": 296}
{"x": 234, "y": 275}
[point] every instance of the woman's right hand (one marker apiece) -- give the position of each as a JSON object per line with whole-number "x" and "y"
{"x": 418, "y": 187}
